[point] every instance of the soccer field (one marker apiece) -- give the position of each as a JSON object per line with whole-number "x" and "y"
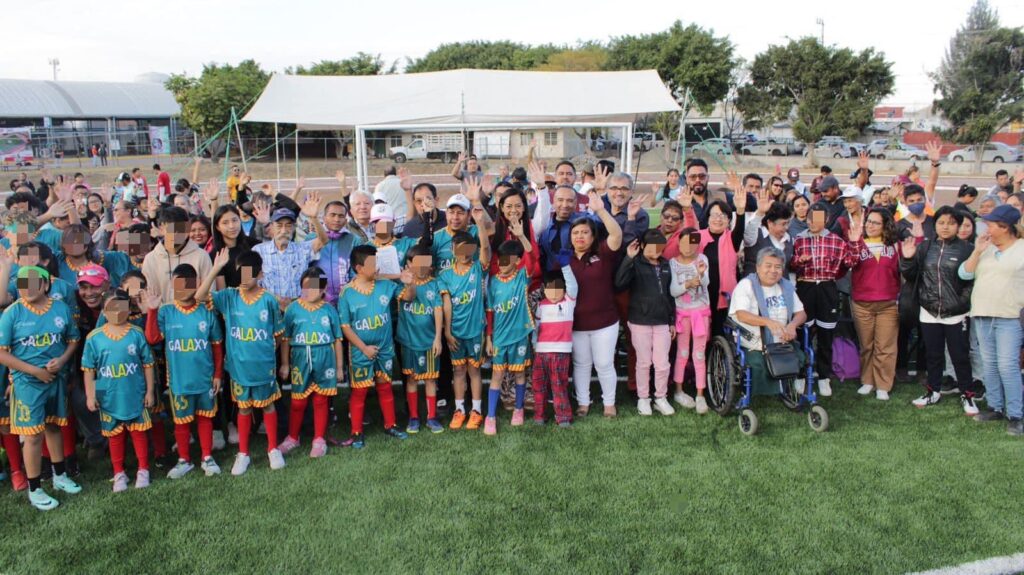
{"x": 887, "y": 489}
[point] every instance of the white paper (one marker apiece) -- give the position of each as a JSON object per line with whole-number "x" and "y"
{"x": 387, "y": 261}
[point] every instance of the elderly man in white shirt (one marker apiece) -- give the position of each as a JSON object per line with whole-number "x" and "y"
{"x": 391, "y": 191}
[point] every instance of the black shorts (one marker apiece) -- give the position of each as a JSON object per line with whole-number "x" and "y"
{"x": 821, "y": 303}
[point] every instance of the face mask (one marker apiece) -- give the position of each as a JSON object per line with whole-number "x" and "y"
{"x": 331, "y": 235}
{"x": 917, "y": 209}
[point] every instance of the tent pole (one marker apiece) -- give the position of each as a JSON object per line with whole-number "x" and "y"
{"x": 277, "y": 156}
{"x": 238, "y": 132}
{"x": 358, "y": 151}
{"x": 296, "y": 155}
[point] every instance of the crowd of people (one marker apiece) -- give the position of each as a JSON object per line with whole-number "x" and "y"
{"x": 133, "y": 308}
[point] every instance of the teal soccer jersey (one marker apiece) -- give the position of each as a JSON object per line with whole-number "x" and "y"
{"x": 118, "y": 365}
{"x": 369, "y": 314}
{"x": 401, "y": 246}
{"x": 188, "y": 337}
{"x": 416, "y": 317}
{"x": 507, "y": 298}
{"x": 306, "y": 324}
{"x": 60, "y": 290}
{"x": 52, "y": 237}
{"x": 466, "y": 290}
{"x": 250, "y": 330}
{"x": 442, "y": 247}
{"x": 36, "y": 335}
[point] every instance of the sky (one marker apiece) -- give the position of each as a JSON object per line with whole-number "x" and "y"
{"x": 118, "y": 40}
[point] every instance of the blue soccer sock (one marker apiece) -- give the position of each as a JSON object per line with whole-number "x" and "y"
{"x": 493, "y": 395}
{"x": 520, "y": 395}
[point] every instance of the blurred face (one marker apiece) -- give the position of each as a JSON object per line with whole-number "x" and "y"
{"x": 383, "y": 229}
{"x": 134, "y": 286}
{"x": 283, "y": 230}
{"x": 946, "y": 227}
{"x": 966, "y": 229}
{"x": 852, "y": 205}
{"x": 91, "y": 295}
{"x": 421, "y": 266}
{"x": 673, "y": 179}
{"x": 229, "y": 225}
{"x": 565, "y": 175}
{"x": 181, "y": 200}
{"x": 457, "y": 218}
{"x": 198, "y": 233}
{"x": 816, "y": 221}
{"x": 74, "y": 245}
{"x": 184, "y": 288}
{"x": 464, "y": 253}
{"x": 778, "y": 228}
{"x": 29, "y": 259}
{"x": 235, "y": 171}
{"x": 249, "y": 280}
{"x": 369, "y": 268}
{"x": 671, "y": 219}
{"x": 968, "y": 199}
{"x": 361, "y": 206}
{"x": 565, "y": 203}
{"x": 507, "y": 264}
{"x": 718, "y": 221}
{"x": 653, "y": 251}
{"x": 619, "y": 193}
{"x": 335, "y": 218}
{"x": 21, "y": 234}
{"x": 769, "y": 271}
{"x": 697, "y": 179}
{"x": 175, "y": 235}
{"x": 313, "y": 289}
{"x": 32, "y": 288}
{"x": 513, "y": 208}
{"x": 553, "y": 293}
{"x": 424, "y": 200}
{"x": 582, "y": 238}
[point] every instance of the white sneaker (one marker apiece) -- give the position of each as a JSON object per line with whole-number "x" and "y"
{"x": 210, "y": 467}
{"x": 881, "y": 395}
{"x": 643, "y": 406}
{"x": 927, "y": 399}
{"x": 276, "y": 459}
{"x": 218, "y": 440}
{"x": 798, "y": 385}
{"x": 179, "y": 470}
{"x": 825, "y": 387}
{"x": 865, "y": 389}
{"x": 684, "y": 400}
{"x": 232, "y": 434}
{"x": 241, "y": 464}
{"x": 702, "y": 405}
{"x": 120, "y": 482}
{"x": 970, "y": 409}
{"x": 142, "y": 479}
{"x": 663, "y": 406}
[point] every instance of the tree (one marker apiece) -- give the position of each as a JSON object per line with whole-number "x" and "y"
{"x": 981, "y": 79}
{"x": 585, "y": 58}
{"x": 823, "y": 89}
{"x": 206, "y": 101}
{"x": 362, "y": 64}
{"x": 483, "y": 55}
{"x": 686, "y": 58}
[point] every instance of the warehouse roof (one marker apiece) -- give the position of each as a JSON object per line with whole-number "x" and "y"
{"x": 81, "y": 100}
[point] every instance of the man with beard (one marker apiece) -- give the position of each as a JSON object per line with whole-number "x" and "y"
{"x": 284, "y": 260}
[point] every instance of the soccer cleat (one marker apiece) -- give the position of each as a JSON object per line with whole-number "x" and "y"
{"x": 970, "y": 409}
{"x": 210, "y": 467}
{"x": 457, "y": 420}
{"x": 475, "y": 419}
{"x": 930, "y": 398}
{"x": 663, "y": 406}
{"x": 825, "y": 387}
{"x": 357, "y": 441}
{"x": 232, "y": 434}
{"x": 1014, "y": 426}
{"x": 396, "y": 433}
{"x": 218, "y": 440}
{"x": 276, "y": 459}
{"x": 685, "y": 400}
{"x": 287, "y": 445}
{"x": 18, "y": 480}
{"x": 643, "y": 406}
{"x": 435, "y": 426}
{"x": 241, "y": 464}
{"x": 120, "y": 482}
{"x": 66, "y": 484}
{"x": 413, "y": 427}
{"x": 881, "y": 395}
{"x": 319, "y": 448}
{"x": 180, "y": 469}
{"x": 491, "y": 426}
{"x": 865, "y": 389}
{"x": 142, "y": 479}
{"x": 42, "y": 501}
{"x": 518, "y": 417}
{"x": 702, "y": 405}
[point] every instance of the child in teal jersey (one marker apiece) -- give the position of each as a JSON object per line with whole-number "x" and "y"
{"x": 119, "y": 382}
{"x": 420, "y": 322}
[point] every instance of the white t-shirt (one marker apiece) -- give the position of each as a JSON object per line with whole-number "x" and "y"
{"x": 743, "y": 298}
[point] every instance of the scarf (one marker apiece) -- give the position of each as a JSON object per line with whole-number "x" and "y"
{"x": 726, "y": 264}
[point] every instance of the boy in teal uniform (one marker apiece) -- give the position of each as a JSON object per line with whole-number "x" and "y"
{"x": 365, "y": 311}
{"x": 312, "y": 348}
{"x": 193, "y": 344}
{"x": 509, "y": 331}
{"x": 462, "y": 291}
{"x": 38, "y": 337}
{"x": 252, "y": 325}
{"x": 38, "y": 254}
{"x": 382, "y": 219}
{"x": 119, "y": 382}
{"x": 420, "y": 322}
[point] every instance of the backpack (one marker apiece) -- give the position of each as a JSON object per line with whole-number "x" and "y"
{"x": 845, "y": 358}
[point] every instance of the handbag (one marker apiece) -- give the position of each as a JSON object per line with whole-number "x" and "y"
{"x": 782, "y": 360}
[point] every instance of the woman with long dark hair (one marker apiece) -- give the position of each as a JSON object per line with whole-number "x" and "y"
{"x": 513, "y": 223}
{"x": 227, "y": 233}
{"x": 720, "y": 245}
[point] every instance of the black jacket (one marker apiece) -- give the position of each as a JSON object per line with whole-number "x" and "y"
{"x": 936, "y": 267}
{"x": 650, "y": 302}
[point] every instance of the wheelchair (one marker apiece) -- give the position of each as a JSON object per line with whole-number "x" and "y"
{"x": 730, "y": 383}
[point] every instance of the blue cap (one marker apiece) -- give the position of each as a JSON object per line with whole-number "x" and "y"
{"x": 1004, "y": 214}
{"x": 282, "y": 213}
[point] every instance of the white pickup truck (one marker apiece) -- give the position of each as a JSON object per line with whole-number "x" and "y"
{"x": 444, "y": 147}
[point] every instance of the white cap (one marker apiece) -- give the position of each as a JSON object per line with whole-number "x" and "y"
{"x": 382, "y": 212}
{"x": 379, "y": 197}
{"x": 853, "y": 192}
{"x": 459, "y": 200}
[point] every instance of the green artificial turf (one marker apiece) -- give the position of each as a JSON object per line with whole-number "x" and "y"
{"x": 888, "y": 489}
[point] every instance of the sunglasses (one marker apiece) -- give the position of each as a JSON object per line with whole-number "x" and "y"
{"x": 670, "y": 217}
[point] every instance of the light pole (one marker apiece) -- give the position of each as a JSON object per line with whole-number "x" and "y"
{"x": 821, "y": 23}
{"x": 54, "y": 63}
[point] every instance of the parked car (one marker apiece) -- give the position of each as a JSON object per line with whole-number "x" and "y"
{"x": 875, "y": 147}
{"x": 831, "y": 149}
{"x": 644, "y": 141}
{"x": 713, "y": 146}
{"x": 997, "y": 152}
{"x": 901, "y": 151}
{"x": 856, "y": 148}
{"x": 769, "y": 147}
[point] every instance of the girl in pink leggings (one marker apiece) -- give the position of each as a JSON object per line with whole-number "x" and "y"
{"x": 693, "y": 315}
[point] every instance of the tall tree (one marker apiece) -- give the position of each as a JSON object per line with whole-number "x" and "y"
{"x": 206, "y": 101}
{"x": 362, "y": 64}
{"x": 822, "y": 89}
{"x": 585, "y": 58}
{"x": 981, "y": 79}
{"x": 483, "y": 55}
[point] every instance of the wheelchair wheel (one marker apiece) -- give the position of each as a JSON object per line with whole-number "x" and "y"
{"x": 748, "y": 422}
{"x": 722, "y": 375}
{"x": 792, "y": 399}
{"x": 817, "y": 417}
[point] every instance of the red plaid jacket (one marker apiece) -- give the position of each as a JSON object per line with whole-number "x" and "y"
{"x": 830, "y": 256}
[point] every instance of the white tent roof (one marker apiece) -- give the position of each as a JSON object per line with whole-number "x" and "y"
{"x": 460, "y": 96}
{"x": 71, "y": 100}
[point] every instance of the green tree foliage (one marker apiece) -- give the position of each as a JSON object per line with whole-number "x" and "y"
{"x": 483, "y": 55}
{"x": 981, "y": 79}
{"x": 362, "y": 64}
{"x": 586, "y": 58}
{"x": 823, "y": 89}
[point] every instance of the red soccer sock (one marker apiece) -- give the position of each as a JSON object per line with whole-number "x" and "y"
{"x": 159, "y": 435}
{"x": 431, "y": 407}
{"x": 298, "y": 411}
{"x": 141, "y": 444}
{"x": 412, "y": 398}
{"x": 205, "y": 425}
{"x": 244, "y": 429}
{"x": 387, "y": 403}
{"x": 10, "y": 443}
{"x": 356, "y": 405}
{"x": 270, "y": 423}
{"x": 182, "y": 435}
{"x": 320, "y": 410}
{"x": 67, "y": 433}
{"x": 117, "y": 451}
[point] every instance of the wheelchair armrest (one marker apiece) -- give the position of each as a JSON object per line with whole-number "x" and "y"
{"x": 734, "y": 325}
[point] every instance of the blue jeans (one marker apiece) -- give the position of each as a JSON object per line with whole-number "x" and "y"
{"x": 999, "y": 340}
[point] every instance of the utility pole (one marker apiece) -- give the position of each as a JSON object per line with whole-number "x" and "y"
{"x": 54, "y": 63}
{"x": 821, "y": 23}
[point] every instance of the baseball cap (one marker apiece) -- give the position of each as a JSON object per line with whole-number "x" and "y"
{"x": 459, "y": 200}
{"x": 853, "y": 192}
{"x": 793, "y": 173}
{"x": 827, "y": 183}
{"x": 93, "y": 274}
{"x": 382, "y": 212}
{"x": 1004, "y": 214}
{"x": 379, "y": 197}
{"x": 282, "y": 213}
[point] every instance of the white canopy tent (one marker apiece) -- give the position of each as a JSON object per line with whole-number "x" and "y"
{"x": 458, "y": 100}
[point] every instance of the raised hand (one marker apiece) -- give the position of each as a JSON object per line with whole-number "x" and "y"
{"x": 1018, "y": 176}
{"x": 261, "y": 211}
{"x": 910, "y": 247}
{"x": 635, "y": 205}
{"x": 245, "y": 178}
{"x": 516, "y": 227}
{"x": 655, "y": 188}
{"x": 404, "y": 178}
{"x": 685, "y": 197}
{"x": 764, "y": 201}
{"x": 311, "y": 207}
{"x": 473, "y": 189}
{"x": 595, "y": 201}
{"x": 896, "y": 191}
{"x": 934, "y": 151}
{"x": 732, "y": 180}
{"x": 536, "y": 174}
{"x": 300, "y": 183}
{"x": 856, "y": 230}
{"x": 212, "y": 190}
{"x": 222, "y": 259}
{"x": 151, "y": 298}
{"x": 462, "y": 157}
{"x": 863, "y": 161}
{"x": 340, "y": 176}
{"x": 601, "y": 173}
{"x": 633, "y": 249}
{"x": 63, "y": 191}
